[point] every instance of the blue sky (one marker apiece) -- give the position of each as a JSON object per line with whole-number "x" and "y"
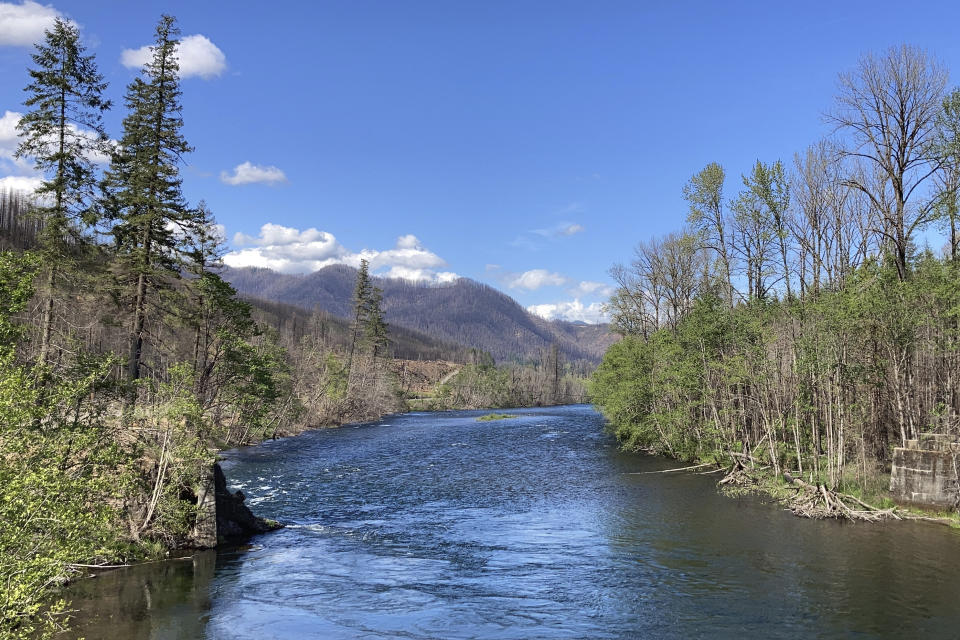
{"x": 529, "y": 145}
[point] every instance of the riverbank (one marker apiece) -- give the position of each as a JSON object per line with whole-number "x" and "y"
{"x": 429, "y": 525}
{"x": 810, "y": 497}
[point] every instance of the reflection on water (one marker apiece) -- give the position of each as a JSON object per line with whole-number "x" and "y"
{"x": 124, "y": 603}
{"x": 437, "y": 526}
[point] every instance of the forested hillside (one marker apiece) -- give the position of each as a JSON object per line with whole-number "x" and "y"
{"x": 294, "y": 323}
{"x": 808, "y": 322}
{"x": 464, "y": 312}
{"x": 127, "y": 360}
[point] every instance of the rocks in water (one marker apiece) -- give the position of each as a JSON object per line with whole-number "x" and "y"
{"x": 222, "y": 516}
{"x": 234, "y": 518}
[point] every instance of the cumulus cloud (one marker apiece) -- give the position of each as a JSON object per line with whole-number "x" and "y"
{"x": 590, "y": 288}
{"x": 291, "y": 250}
{"x": 22, "y": 25}
{"x": 534, "y": 279}
{"x": 420, "y": 275}
{"x": 574, "y": 311}
{"x": 197, "y": 55}
{"x": 8, "y": 134}
{"x": 409, "y": 254}
{"x": 24, "y": 177}
{"x": 9, "y": 141}
{"x": 28, "y": 184}
{"x": 249, "y": 173}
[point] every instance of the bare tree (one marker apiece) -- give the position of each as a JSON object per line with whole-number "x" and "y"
{"x": 888, "y": 107}
{"x": 681, "y": 264}
{"x": 833, "y": 224}
{"x": 813, "y": 186}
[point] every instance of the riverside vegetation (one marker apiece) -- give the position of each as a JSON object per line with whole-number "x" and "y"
{"x": 803, "y": 326}
{"x": 126, "y": 360}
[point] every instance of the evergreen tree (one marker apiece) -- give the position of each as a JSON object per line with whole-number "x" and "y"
{"x": 360, "y": 294}
{"x": 144, "y": 184}
{"x": 62, "y": 131}
{"x": 368, "y": 328}
{"x": 376, "y": 328}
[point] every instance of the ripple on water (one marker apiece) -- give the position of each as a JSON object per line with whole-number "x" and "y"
{"x": 439, "y": 526}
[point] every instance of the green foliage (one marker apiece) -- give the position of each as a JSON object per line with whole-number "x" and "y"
{"x": 61, "y": 473}
{"x": 704, "y": 193}
{"x": 16, "y": 288}
{"x": 490, "y": 417}
{"x": 785, "y": 380}
{"x": 369, "y": 328}
{"x": 61, "y": 130}
{"x": 143, "y": 187}
{"x": 477, "y": 386}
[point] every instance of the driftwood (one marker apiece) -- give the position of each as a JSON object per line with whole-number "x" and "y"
{"x": 743, "y": 456}
{"x": 696, "y": 466}
{"x": 738, "y": 475}
{"x": 816, "y": 501}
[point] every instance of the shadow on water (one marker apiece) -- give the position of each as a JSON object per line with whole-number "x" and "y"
{"x": 161, "y": 600}
{"x": 432, "y": 525}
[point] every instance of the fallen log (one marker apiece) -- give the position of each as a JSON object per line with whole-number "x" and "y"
{"x": 696, "y": 466}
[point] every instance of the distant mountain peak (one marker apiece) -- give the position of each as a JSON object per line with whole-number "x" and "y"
{"x": 464, "y": 311}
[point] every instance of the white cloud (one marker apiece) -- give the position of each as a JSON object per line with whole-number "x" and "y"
{"x": 28, "y": 184}
{"x": 409, "y": 254}
{"x": 534, "y": 279}
{"x": 24, "y": 177}
{"x": 562, "y": 229}
{"x": 9, "y": 141}
{"x": 420, "y": 275}
{"x": 22, "y": 25}
{"x": 589, "y": 288}
{"x": 574, "y": 311}
{"x": 291, "y": 250}
{"x": 197, "y": 55}
{"x": 249, "y": 173}
{"x": 8, "y": 134}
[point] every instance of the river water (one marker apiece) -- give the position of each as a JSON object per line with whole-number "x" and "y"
{"x": 434, "y": 525}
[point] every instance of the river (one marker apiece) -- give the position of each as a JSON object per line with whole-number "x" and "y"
{"x": 434, "y": 525}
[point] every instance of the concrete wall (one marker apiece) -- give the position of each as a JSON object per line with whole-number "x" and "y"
{"x": 925, "y": 472}
{"x": 204, "y": 534}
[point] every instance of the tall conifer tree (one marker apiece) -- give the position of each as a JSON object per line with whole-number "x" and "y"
{"x": 368, "y": 327}
{"x": 360, "y": 294}
{"x": 62, "y": 132}
{"x": 144, "y": 183}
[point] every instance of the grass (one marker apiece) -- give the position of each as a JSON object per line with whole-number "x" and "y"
{"x": 495, "y": 416}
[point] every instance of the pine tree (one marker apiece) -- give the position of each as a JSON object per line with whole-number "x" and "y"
{"x": 144, "y": 184}
{"x": 360, "y": 294}
{"x": 376, "y": 328}
{"x": 368, "y": 328}
{"x": 62, "y": 132}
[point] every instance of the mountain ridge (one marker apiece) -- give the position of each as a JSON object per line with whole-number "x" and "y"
{"x": 464, "y": 312}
